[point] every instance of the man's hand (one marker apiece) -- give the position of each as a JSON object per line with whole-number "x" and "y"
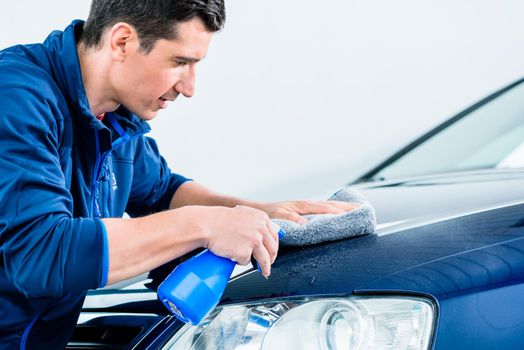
{"x": 238, "y": 233}
{"x": 293, "y": 210}
{"x": 236, "y": 228}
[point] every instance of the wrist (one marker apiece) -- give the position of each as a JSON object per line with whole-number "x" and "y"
{"x": 193, "y": 225}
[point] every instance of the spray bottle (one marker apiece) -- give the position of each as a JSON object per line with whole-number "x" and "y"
{"x": 195, "y": 286}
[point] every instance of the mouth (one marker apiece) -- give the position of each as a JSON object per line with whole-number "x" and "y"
{"x": 163, "y": 102}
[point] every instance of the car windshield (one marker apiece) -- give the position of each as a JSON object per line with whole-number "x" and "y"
{"x": 489, "y": 137}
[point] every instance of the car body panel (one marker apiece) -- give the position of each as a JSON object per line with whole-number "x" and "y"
{"x": 433, "y": 234}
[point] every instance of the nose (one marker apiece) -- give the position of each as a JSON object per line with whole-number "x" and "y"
{"x": 186, "y": 84}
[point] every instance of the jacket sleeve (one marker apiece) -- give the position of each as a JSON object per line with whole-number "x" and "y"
{"x": 46, "y": 252}
{"x": 153, "y": 184}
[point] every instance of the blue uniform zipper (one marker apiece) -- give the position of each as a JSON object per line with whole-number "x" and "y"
{"x": 94, "y": 195}
{"x": 100, "y": 160}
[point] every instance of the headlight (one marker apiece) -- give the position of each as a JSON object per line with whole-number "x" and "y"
{"x": 324, "y": 323}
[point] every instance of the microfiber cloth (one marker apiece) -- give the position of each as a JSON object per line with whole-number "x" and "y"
{"x": 331, "y": 227}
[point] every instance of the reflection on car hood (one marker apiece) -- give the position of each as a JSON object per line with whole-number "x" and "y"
{"x": 430, "y": 198}
{"x": 425, "y": 226}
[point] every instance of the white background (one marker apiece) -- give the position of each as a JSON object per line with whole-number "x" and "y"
{"x": 297, "y": 97}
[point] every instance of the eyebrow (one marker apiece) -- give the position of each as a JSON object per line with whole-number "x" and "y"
{"x": 186, "y": 59}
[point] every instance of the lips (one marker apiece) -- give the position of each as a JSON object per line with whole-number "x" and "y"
{"x": 163, "y": 103}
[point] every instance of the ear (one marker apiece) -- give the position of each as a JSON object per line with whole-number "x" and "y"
{"x": 123, "y": 41}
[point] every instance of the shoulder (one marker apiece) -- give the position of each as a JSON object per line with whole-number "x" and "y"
{"x": 26, "y": 69}
{"x": 28, "y": 94}
{"x": 31, "y": 107}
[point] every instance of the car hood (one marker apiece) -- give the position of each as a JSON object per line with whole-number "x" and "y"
{"x": 427, "y": 228}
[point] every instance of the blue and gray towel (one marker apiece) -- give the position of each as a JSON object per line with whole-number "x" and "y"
{"x": 331, "y": 227}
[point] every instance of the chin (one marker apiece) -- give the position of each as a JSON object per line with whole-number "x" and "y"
{"x": 150, "y": 115}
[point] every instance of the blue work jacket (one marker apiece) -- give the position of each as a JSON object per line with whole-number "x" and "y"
{"x": 61, "y": 171}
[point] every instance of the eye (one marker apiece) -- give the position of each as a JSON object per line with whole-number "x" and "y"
{"x": 179, "y": 63}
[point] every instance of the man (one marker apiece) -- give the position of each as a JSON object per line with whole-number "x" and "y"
{"x": 75, "y": 158}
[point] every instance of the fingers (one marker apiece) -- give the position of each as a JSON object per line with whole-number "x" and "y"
{"x": 273, "y": 229}
{"x": 346, "y": 206}
{"x": 271, "y": 241}
{"x": 292, "y": 216}
{"x": 261, "y": 239}
{"x": 265, "y": 252}
{"x": 263, "y": 258}
{"x": 327, "y": 207}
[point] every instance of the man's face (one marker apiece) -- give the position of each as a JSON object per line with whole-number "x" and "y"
{"x": 146, "y": 83}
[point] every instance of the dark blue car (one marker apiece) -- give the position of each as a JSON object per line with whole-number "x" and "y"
{"x": 444, "y": 269}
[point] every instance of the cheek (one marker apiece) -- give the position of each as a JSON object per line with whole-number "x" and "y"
{"x": 159, "y": 82}
{"x": 168, "y": 78}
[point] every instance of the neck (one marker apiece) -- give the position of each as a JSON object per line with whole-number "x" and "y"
{"x": 96, "y": 81}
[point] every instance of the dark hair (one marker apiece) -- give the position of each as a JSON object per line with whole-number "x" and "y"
{"x": 152, "y": 19}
